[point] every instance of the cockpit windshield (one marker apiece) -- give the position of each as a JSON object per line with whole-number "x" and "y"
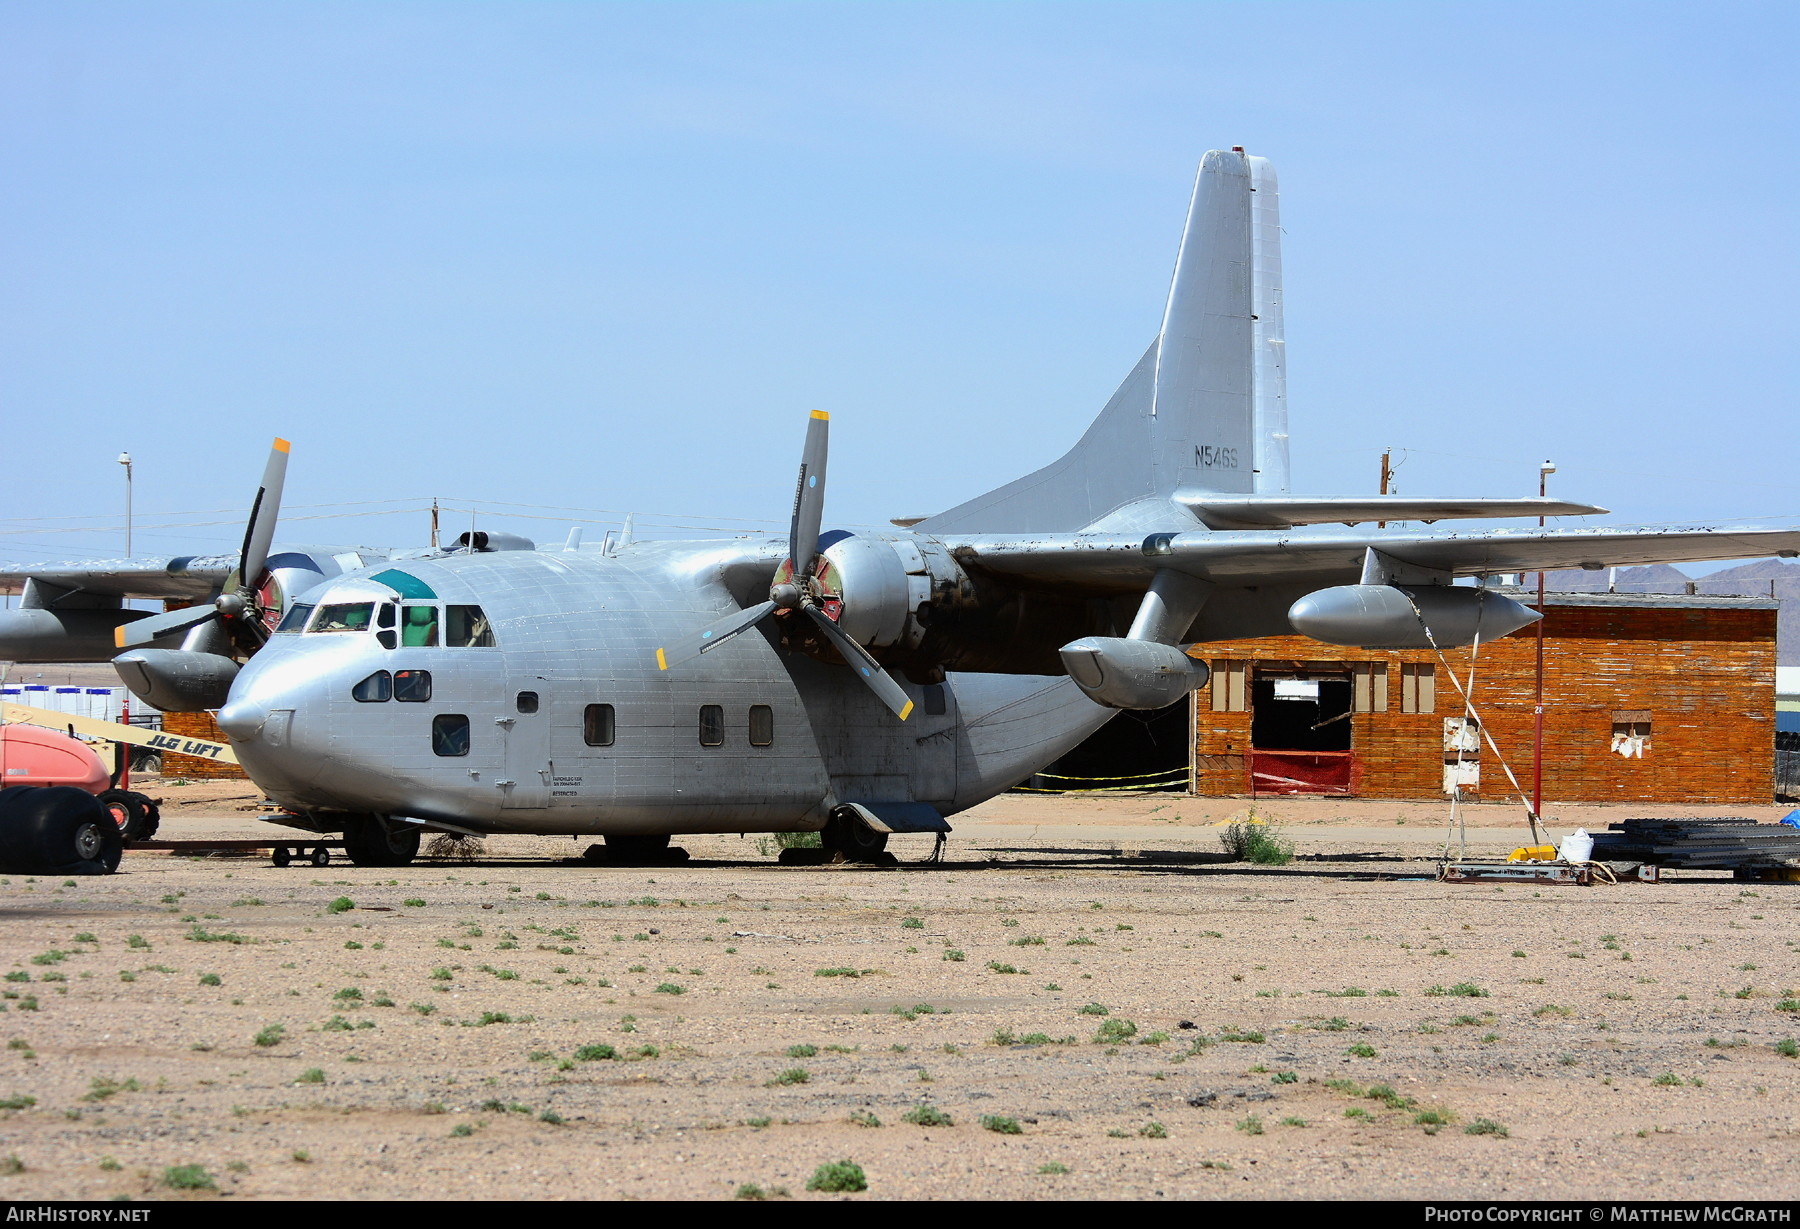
{"x": 345, "y": 617}
{"x": 295, "y": 618}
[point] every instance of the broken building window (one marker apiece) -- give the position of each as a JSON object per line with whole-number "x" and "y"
{"x": 1631, "y": 733}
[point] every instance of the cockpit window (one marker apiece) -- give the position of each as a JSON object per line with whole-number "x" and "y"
{"x": 295, "y": 618}
{"x": 419, "y": 626}
{"x": 346, "y": 617}
{"x": 378, "y": 687}
{"x": 414, "y": 685}
{"x": 384, "y": 625}
{"x": 466, "y": 627}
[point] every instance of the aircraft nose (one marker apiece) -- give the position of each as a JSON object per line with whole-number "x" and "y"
{"x": 242, "y": 720}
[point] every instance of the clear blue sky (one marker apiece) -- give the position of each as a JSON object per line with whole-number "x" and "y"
{"x": 604, "y": 256}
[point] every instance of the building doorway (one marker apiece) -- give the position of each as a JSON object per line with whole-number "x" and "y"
{"x": 1300, "y": 732}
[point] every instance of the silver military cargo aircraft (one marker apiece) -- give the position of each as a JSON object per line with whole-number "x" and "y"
{"x": 858, "y": 684}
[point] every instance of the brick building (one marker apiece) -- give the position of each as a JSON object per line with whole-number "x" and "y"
{"x": 1647, "y": 698}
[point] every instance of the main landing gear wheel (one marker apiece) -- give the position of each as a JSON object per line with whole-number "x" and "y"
{"x": 636, "y": 849}
{"x": 136, "y": 817}
{"x": 847, "y": 838}
{"x": 370, "y": 840}
{"x": 57, "y": 830}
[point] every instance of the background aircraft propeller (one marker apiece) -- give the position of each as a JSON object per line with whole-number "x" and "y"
{"x": 800, "y": 587}
{"x": 238, "y": 611}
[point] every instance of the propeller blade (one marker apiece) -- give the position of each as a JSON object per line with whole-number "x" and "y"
{"x": 260, "y": 530}
{"x": 706, "y": 641}
{"x": 809, "y": 494}
{"x": 880, "y": 681}
{"x": 156, "y": 626}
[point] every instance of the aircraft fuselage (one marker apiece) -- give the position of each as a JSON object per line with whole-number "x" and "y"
{"x": 549, "y": 714}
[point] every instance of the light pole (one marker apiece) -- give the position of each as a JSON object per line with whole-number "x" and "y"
{"x": 1537, "y": 712}
{"x": 125, "y": 460}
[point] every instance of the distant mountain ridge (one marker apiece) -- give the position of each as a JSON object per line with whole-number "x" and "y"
{"x": 1777, "y": 578}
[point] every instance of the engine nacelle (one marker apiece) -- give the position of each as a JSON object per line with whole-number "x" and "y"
{"x": 875, "y": 587}
{"x": 1139, "y": 674}
{"x": 1396, "y": 616}
{"x": 177, "y": 680}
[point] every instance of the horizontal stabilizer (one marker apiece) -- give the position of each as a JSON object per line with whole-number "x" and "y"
{"x": 1286, "y": 511}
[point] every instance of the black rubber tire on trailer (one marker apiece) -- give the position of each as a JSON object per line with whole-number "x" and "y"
{"x": 846, "y": 833}
{"x": 369, "y": 841}
{"x": 57, "y": 830}
{"x": 281, "y": 855}
{"x": 136, "y": 816}
{"x": 321, "y": 856}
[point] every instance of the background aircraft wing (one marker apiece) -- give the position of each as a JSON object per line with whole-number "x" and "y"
{"x": 1114, "y": 563}
{"x": 191, "y": 577}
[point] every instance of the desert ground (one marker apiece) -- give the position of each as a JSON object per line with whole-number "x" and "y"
{"x": 1084, "y": 999}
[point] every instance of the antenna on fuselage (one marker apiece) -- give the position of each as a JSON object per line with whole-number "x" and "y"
{"x": 574, "y": 542}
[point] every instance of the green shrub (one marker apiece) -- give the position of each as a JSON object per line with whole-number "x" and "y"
{"x": 838, "y": 1176}
{"x": 597, "y": 1052}
{"x": 342, "y": 904}
{"x": 1485, "y": 1126}
{"x": 793, "y": 1075}
{"x": 1258, "y": 842}
{"x": 188, "y": 1178}
{"x": 924, "y": 1114}
{"x": 999, "y": 1124}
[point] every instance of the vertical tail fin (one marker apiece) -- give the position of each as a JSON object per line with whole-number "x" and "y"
{"x": 1205, "y": 409}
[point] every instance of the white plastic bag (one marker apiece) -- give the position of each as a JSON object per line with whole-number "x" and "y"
{"x": 1578, "y": 846}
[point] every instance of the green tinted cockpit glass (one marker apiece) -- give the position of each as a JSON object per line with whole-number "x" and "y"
{"x": 344, "y": 617}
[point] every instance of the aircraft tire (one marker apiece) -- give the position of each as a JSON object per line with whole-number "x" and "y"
{"x": 57, "y": 830}
{"x": 136, "y": 816}
{"x": 368, "y": 841}
{"x": 846, "y": 834}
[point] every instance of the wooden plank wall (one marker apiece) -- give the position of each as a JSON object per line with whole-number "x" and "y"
{"x": 197, "y": 725}
{"x": 1706, "y": 677}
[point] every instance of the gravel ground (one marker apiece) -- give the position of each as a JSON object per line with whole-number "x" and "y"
{"x": 1152, "y": 1020}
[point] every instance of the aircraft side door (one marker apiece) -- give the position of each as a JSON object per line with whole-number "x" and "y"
{"x": 525, "y": 730}
{"x": 933, "y": 729}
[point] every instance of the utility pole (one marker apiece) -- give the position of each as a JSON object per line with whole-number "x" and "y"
{"x": 125, "y": 460}
{"x": 1387, "y": 476}
{"x": 1537, "y": 711}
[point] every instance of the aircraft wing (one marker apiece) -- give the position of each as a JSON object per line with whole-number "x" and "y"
{"x": 188, "y": 577}
{"x": 1116, "y": 563}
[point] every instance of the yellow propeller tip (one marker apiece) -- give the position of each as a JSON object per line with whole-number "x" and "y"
{"x": 281, "y": 446}
{"x": 821, "y": 415}
{"x": 119, "y": 636}
{"x": 662, "y": 663}
{"x": 907, "y": 711}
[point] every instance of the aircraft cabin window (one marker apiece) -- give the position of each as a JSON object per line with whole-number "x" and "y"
{"x": 419, "y": 627}
{"x": 597, "y": 725}
{"x": 377, "y": 687}
{"x": 450, "y": 734}
{"x": 294, "y": 619}
{"x": 384, "y": 623}
{"x": 712, "y": 725}
{"x": 465, "y": 627}
{"x": 344, "y": 617}
{"x": 762, "y": 725}
{"x": 413, "y": 685}
{"x": 527, "y": 702}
